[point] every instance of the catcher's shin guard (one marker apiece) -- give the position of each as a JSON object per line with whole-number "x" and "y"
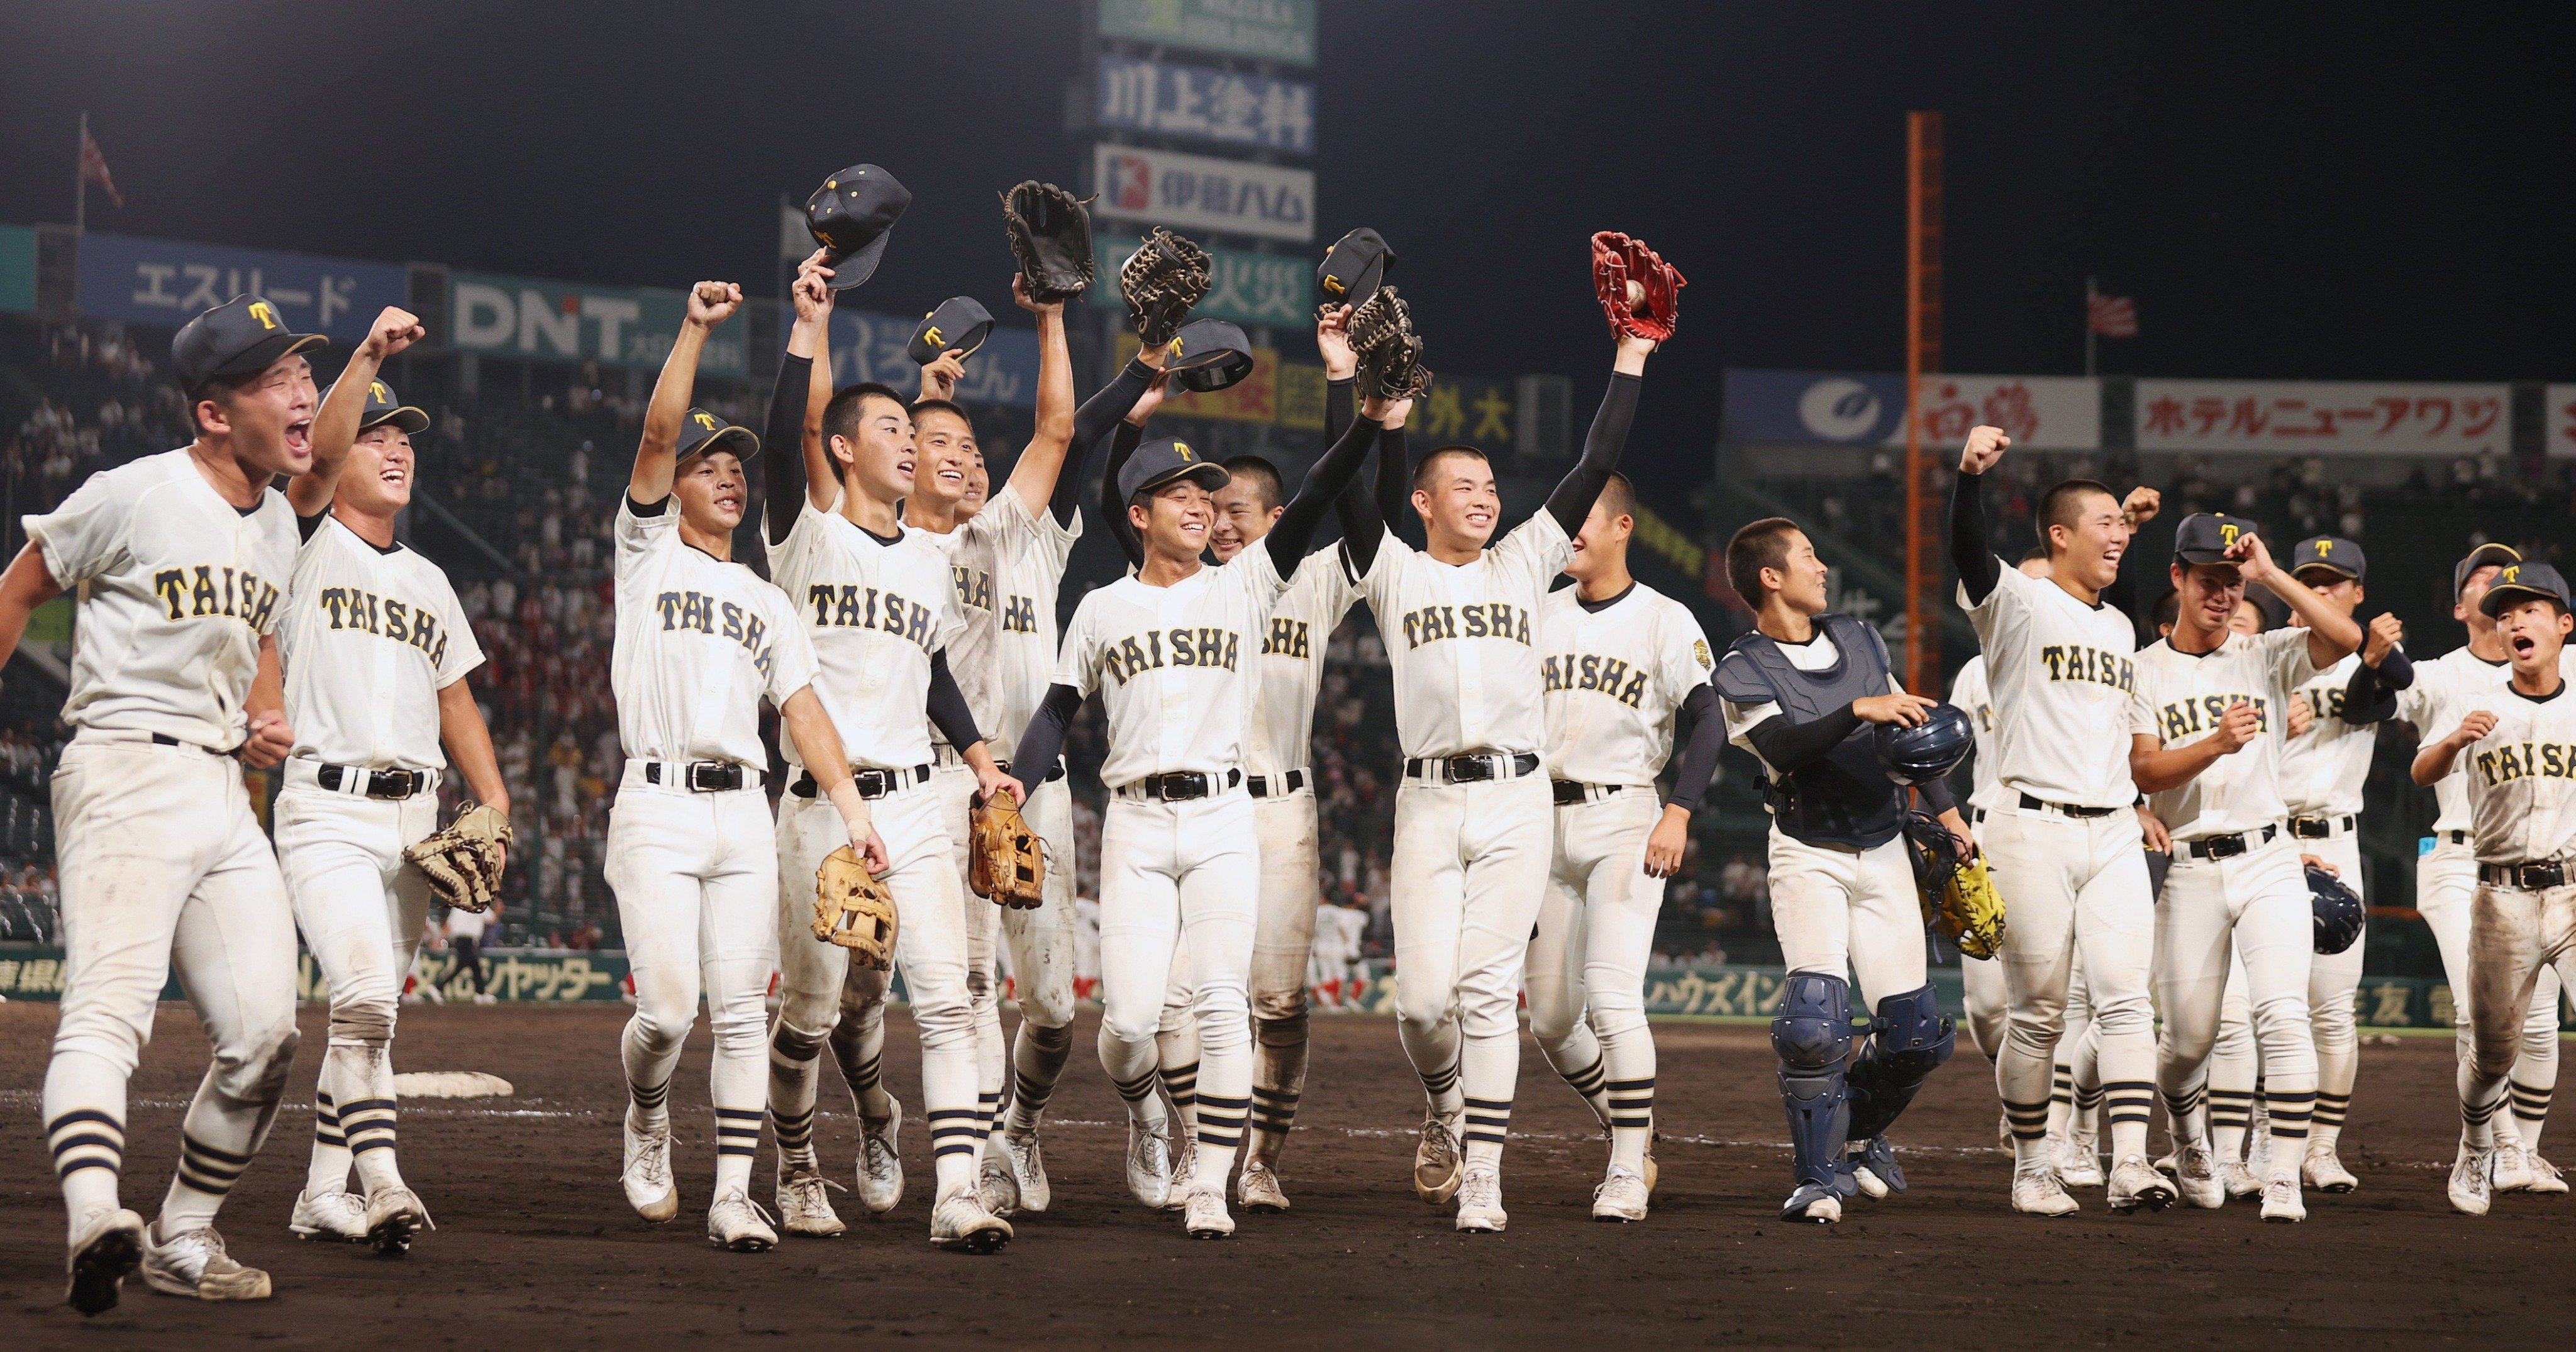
{"x": 1812, "y": 1034}
{"x": 1911, "y": 1037}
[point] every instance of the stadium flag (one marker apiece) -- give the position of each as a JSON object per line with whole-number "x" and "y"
{"x": 2111, "y": 316}
{"x": 93, "y": 164}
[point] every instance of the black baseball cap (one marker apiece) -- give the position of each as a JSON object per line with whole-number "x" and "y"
{"x": 1353, "y": 268}
{"x": 2329, "y": 554}
{"x": 702, "y": 432}
{"x": 1157, "y": 463}
{"x": 2520, "y": 582}
{"x": 2205, "y": 537}
{"x": 959, "y": 325}
{"x": 240, "y": 336}
{"x": 2500, "y": 555}
{"x": 1208, "y": 354}
{"x": 853, "y": 215}
{"x": 383, "y": 408}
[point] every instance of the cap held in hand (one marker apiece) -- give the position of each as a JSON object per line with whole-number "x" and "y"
{"x": 959, "y": 325}
{"x": 1207, "y": 355}
{"x": 853, "y": 215}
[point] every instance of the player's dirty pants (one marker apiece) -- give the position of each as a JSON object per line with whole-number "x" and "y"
{"x": 163, "y": 866}
{"x": 2446, "y": 880}
{"x": 2255, "y": 905}
{"x": 2075, "y": 885}
{"x": 1468, "y": 876}
{"x": 1040, "y": 943}
{"x": 1587, "y": 963}
{"x": 697, "y": 892}
{"x": 1283, "y": 939}
{"x": 360, "y": 907}
{"x": 930, "y": 949}
{"x": 2515, "y": 936}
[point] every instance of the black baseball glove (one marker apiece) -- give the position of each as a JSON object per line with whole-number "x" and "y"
{"x": 1050, "y": 235}
{"x": 1161, "y": 281}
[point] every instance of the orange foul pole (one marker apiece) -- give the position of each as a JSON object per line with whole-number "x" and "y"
{"x": 1923, "y": 567}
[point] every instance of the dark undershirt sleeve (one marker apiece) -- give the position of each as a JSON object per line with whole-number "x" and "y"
{"x": 1091, "y": 423}
{"x": 2371, "y": 695}
{"x": 1330, "y": 477}
{"x": 947, "y": 705}
{"x": 1362, "y": 529}
{"x": 1790, "y": 747}
{"x": 1707, "y": 738}
{"x": 1394, "y": 479}
{"x": 1937, "y": 797}
{"x": 1339, "y": 404}
{"x": 782, "y": 445}
{"x": 653, "y": 508}
{"x": 1573, "y": 498}
{"x": 1113, "y": 508}
{"x": 1044, "y": 740}
{"x": 1970, "y": 553}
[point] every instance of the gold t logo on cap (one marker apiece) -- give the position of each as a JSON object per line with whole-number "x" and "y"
{"x": 2324, "y": 547}
{"x": 1182, "y": 449}
{"x": 936, "y": 338}
{"x": 2227, "y": 535}
{"x": 267, "y": 317}
{"x": 707, "y": 421}
{"x": 376, "y": 390}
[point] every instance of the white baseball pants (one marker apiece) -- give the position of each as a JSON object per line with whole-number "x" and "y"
{"x": 1587, "y": 963}
{"x": 2256, "y": 905}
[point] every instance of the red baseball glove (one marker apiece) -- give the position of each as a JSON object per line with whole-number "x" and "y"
{"x": 1654, "y": 307}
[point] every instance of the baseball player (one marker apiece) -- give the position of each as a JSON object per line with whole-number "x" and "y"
{"x": 2205, "y": 728}
{"x": 1799, "y": 693}
{"x": 181, "y": 562}
{"x": 1473, "y": 819}
{"x": 376, "y": 650}
{"x": 876, "y": 601}
{"x": 700, "y": 640}
{"x": 1166, "y": 648}
{"x": 1625, "y": 667}
{"x": 1981, "y": 980}
{"x": 2062, "y": 841}
{"x": 2438, "y": 694}
{"x": 2516, "y": 746}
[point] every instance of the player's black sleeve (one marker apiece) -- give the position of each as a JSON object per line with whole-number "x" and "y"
{"x": 1790, "y": 747}
{"x": 2371, "y": 695}
{"x": 782, "y": 444}
{"x": 1113, "y": 508}
{"x": 1970, "y": 552}
{"x": 1700, "y": 746}
{"x": 1572, "y": 500}
{"x": 1937, "y": 797}
{"x": 1091, "y": 422}
{"x": 1328, "y": 480}
{"x": 1044, "y": 740}
{"x": 1339, "y": 403}
{"x": 1394, "y": 480}
{"x": 947, "y": 705}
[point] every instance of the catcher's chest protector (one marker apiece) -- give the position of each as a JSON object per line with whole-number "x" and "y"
{"x": 1844, "y": 799}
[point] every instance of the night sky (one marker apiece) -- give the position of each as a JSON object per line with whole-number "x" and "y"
{"x": 2319, "y": 195}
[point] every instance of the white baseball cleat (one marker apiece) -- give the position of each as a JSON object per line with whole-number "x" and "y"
{"x": 805, "y": 1204}
{"x": 2281, "y": 1201}
{"x": 1149, "y": 1165}
{"x": 2080, "y": 1166}
{"x": 1437, "y": 1164}
{"x": 960, "y": 1222}
{"x": 2037, "y": 1191}
{"x": 2239, "y": 1178}
{"x": 1814, "y": 1204}
{"x": 2258, "y": 1141}
{"x": 1620, "y": 1197}
{"x": 195, "y": 1264}
{"x": 2196, "y": 1176}
{"x": 646, "y": 1172}
{"x": 2546, "y": 1181}
{"x": 738, "y": 1224}
{"x": 2512, "y": 1172}
{"x": 996, "y": 1187}
{"x": 106, "y": 1247}
{"x": 394, "y": 1215}
{"x": 1028, "y": 1168}
{"x": 2324, "y": 1172}
{"x": 335, "y": 1215}
{"x": 880, "y": 1165}
{"x": 2135, "y": 1183}
{"x": 1184, "y": 1150}
{"x": 2469, "y": 1180}
{"x": 1480, "y": 1201}
{"x": 1203, "y": 1212}
{"x": 1257, "y": 1187}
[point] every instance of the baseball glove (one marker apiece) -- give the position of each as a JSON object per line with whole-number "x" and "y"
{"x": 1161, "y": 281}
{"x": 1050, "y": 235}
{"x": 1389, "y": 352}
{"x": 853, "y": 909}
{"x": 1007, "y": 862}
{"x": 1959, "y": 901}
{"x": 464, "y": 860}
{"x": 1639, "y": 290}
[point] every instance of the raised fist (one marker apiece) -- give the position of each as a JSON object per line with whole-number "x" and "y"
{"x": 1986, "y": 445}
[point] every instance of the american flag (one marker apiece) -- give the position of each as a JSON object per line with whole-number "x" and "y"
{"x": 93, "y": 167}
{"x": 2111, "y": 316}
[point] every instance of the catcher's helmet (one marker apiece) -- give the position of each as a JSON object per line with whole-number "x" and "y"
{"x": 2338, "y": 911}
{"x": 1923, "y": 753}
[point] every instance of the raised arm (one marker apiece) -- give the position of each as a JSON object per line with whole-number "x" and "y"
{"x": 1130, "y": 435}
{"x": 1970, "y": 552}
{"x": 335, "y": 427}
{"x": 710, "y": 304}
{"x": 1041, "y": 463}
{"x": 1323, "y": 484}
{"x": 782, "y": 449}
{"x": 1572, "y": 500}
{"x": 1131, "y": 398}
{"x": 2371, "y": 695}
{"x": 2331, "y": 632}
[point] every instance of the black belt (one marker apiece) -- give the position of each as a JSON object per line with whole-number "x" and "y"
{"x": 707, "y": 776}
{"x": 2030, "y": 804}
{"x": 2228, "y": 847}
{"x": 2528, "y": 877}
{"x": 870, "y": 783}
{"x": 2455, "y": 837}
{"x": 1471, "y": 769}
{"x": 2318, "y": 828}
{"x": 380, "y": 783}
{"x": 1183, "y": 785}
{"x": 1051, "y": 777}
{"x": 1570, "y": 792}
{"x": 1275, "y": 786}
{"x": 1976, "y": 816}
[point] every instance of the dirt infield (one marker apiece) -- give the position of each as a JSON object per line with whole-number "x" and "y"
{"x": 538, "y": 1249}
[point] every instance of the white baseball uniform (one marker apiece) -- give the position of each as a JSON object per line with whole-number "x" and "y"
{"x": 875, "y": 609}
{"x": 368, "y": 638}
{"x": 161, "y": 859}
{"x": 1981, "y": 980}
{"x": 1615, "y": 677}
{"x": 2322, "y": 772}
{"x": 699, "y": 642}
{"x": 1471, "y": 856}
{"x": 2236, "y": 882}
{"x": 2064, "y": 846}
